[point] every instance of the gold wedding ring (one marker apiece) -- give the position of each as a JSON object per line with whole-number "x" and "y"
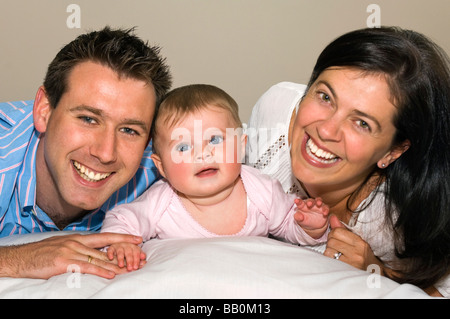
{"x": 89, "y": 259}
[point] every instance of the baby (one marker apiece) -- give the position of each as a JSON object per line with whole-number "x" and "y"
{"x": 199, "y": 147}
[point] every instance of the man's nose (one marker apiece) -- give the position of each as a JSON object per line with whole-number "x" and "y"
{"x": 104, "y": 147}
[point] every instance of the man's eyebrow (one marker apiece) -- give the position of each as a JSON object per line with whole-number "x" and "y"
{"x": 82, "y": 108}
{"x": 137, "y": 123}
{"x": 98, "y": 112}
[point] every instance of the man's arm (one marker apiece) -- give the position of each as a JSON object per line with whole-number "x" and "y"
{"x": 53, "y": 256}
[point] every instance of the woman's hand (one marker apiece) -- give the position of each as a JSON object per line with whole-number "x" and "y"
{"x": 352, "y": 248}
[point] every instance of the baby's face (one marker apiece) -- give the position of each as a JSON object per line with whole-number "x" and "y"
{"x": 202, "y": 154}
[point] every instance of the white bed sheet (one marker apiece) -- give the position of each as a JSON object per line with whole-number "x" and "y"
{"x": 236, "y": 268}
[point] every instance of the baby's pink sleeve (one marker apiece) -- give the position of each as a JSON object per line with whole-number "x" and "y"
{"x": 282, "y": 222}
{"x": 139, "y": 217}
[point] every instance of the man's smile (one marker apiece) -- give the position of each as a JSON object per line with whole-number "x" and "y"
{"x": 88, "y": 174}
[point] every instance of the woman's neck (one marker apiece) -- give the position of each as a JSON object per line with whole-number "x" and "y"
{"x": 343, "y": 201}
{"x": 336, "y": 201}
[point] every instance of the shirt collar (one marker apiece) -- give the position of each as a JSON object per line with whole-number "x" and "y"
{"x": 27, "y": 176}
{"x": 27, "y": 189}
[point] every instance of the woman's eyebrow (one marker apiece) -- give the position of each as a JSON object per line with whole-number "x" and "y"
{"x": 372, "y": 118}
{"x": 357, "y": 112}
{"x": 328, "y": 85}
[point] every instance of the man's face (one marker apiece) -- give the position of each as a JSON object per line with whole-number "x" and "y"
{"x": 94, "y": 139}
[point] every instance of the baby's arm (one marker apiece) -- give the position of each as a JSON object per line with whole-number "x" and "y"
{"x": 312, "y": 216}
{"x": 128, "y": 255}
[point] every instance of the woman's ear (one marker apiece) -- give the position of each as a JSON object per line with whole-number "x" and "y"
{"x": 157, "y": 160}
{"x": 394, "y": 154}
{"x": 41, "y": 110}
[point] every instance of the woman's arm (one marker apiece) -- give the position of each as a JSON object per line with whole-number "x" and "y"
{"x": 357, "y": 253}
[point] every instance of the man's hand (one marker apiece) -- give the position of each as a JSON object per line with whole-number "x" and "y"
{"x": 53, "y": 256}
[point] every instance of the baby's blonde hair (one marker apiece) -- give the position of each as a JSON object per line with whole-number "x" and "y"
{"x": 188, "y": 99}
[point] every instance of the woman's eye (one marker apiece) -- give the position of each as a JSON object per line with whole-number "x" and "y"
{"x": 324, "y": 97}
{"x": 216, "y": 139}
{"x": 183, "y": 147}
{"x": 363, "y": 124}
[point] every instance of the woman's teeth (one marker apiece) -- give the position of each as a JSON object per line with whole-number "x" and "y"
{"x": 89, "y": 175}
{"x": 319, "y": 154}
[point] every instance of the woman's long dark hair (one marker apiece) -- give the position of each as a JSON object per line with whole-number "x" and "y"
{"x": 418, "y": 183}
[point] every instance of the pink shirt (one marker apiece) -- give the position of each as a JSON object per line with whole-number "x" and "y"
{"x": 159, "y": 213}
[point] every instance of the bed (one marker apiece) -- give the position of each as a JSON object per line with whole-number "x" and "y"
{"x": 218, "y": 268}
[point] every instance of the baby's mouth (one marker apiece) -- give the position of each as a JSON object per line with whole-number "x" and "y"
{"x": 319, "y": 154}
{"x": 206, "y": 172}
{"x": 89, "y": 175}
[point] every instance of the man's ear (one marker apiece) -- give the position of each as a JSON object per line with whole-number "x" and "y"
{"x": 157, "y": 160}
{"x": 394, "y": 154}
{"x": 41, "y": 110}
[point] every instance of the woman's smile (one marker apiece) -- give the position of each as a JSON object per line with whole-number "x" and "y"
{"x": 317, "y": 155}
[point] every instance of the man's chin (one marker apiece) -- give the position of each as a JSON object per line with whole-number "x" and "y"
{"x": 89, "y": 205}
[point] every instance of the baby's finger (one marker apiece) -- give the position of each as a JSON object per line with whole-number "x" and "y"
{"x": 310, "y": 202}
{"x": 319, "y": 202}
{"x": 325, "y": 210}
{"x": 299, "y": 202}
{"x": 110, "y": 253}
{"x": 299, "y": 217}
{"x": 120, "y": 257}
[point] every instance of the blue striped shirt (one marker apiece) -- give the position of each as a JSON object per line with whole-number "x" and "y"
{"x": 19, "y": 213}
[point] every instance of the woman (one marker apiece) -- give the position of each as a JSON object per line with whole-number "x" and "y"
{"x": 370, "y": 135}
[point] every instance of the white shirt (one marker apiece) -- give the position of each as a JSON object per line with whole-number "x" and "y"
{"x": 268, "y": 151}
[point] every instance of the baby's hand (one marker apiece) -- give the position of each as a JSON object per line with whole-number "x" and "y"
{"x": 312, "y": 216}
{"x": 128, "y": 255}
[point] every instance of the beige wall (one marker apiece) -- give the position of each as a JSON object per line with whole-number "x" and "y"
{"x": 243, "y": 46}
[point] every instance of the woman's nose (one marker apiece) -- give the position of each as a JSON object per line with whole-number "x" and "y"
{"x": 330, "y": 129}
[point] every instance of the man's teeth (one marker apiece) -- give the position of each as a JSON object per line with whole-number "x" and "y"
{"x": 321, "y": 155}
{"x": 89, "y": 175}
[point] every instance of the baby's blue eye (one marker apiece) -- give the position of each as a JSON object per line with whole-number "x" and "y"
{"x": 216, "y": 139}
{"x": 183, "y": 147}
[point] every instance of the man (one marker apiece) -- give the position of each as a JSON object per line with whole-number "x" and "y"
{"x": 80, "y": 150}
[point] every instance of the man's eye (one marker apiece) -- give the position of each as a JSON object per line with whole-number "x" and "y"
{"x": 216, "y": 139}
{"x": 129, "y": 131}
{"x": 88, "y": 119}
{"x": 183, "y": 147}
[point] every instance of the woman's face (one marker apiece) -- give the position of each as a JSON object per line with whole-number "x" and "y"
{"x": 343, "y": 129}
